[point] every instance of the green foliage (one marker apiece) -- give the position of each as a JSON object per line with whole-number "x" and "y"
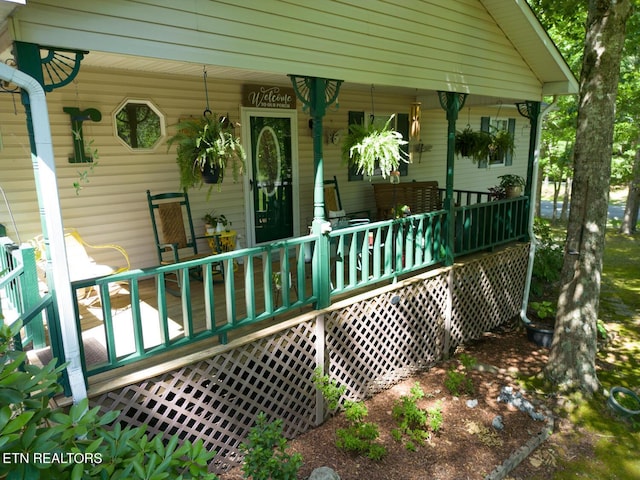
{"x": 265, "y": 452}
{"x": 467, "y": 361}
{"x": 29, "y": 426}
{"x": 360, "y": 436}
{"x": 548, "y": 260}
{"x": 372, "y": 147}
{"x": 414, "y": 421}
{"x": 435, "y": 417}
{"x": 460, "y": 382}
{"x": 329, "y": 389}
{"x": 544, "y": 309}
{"x": 207, "y": 141}
{"x": 83, "y": 176}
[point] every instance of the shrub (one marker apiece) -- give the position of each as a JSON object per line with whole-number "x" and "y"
{"x": 29, "y": 426}
{"x": 265, "y": 453}
{"x": 548, "y": 260}
{"x": 360, "y": 436}
{"x": 413, "y": 421}
{"x": 459, "y": 382}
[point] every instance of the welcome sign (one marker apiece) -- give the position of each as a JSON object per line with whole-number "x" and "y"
{"x": 263, "y": 96}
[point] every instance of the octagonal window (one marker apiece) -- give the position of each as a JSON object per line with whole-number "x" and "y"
{"x": 139, "y": 124}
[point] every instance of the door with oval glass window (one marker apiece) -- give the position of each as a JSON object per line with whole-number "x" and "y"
{"x": 271, "y": 174}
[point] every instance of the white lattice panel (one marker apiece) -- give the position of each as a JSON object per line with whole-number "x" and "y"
{"x": 217, "y": 399}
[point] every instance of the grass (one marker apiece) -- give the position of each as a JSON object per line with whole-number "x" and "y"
{"x": 617, "y": 440}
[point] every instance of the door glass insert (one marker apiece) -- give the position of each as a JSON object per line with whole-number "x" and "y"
{"x": 272, "y": 177}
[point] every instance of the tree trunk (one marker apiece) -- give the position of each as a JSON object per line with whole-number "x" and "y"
{"x": 630, "y": 218}
{"x": 565, "y": 200}
{"x": 571, "y": 365}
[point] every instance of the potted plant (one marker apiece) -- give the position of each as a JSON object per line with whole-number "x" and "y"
{"x": 512, "y": 185}
{"x": 206, "y": 147}
{"x": 501, "y": 143}
{"x": 372, "y": 147}
{"x": 472, "y": 144}
{"x": 215, "y": 223}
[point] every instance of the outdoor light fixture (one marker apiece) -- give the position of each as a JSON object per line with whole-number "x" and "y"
{"x": 414, "y": 116}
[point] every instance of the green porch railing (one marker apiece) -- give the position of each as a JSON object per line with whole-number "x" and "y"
{"x": 370, "y": 253}
{"x": 20, "y": 301}
{"x": 273, "y": 282}
{"x": 270, "y": 280}
{"x": 19, "y": 287}
{"x": 483, "y": 226}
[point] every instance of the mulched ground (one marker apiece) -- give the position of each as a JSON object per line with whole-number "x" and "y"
{"x": 467, "y": 446}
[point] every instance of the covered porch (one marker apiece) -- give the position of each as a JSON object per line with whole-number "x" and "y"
{"x": 133, "y": 319}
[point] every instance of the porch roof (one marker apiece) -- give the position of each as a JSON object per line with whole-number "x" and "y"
{"x": 232, "y": 56}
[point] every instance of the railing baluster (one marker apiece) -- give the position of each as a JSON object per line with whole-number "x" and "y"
{"x": 163, "y": 313}
{"x": 136, "y": 316}
{"x": 110, "y": 338}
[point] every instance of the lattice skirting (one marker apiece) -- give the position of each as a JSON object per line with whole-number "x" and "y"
{"x": 368, "y": 346}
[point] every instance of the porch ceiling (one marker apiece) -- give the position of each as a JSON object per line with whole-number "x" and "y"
{"x": 108, "y": 60}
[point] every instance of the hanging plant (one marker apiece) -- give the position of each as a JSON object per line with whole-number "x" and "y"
{"x": 472, "y": 144}
{"x": 371, "y": 148}
{"x": 207, "y": 145}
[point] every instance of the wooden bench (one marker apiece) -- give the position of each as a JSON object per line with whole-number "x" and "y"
{"x": 421, "y": 197}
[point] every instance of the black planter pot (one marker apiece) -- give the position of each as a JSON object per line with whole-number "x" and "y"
{"x": 211, "y": 174}
{"x": 541, "y": 335}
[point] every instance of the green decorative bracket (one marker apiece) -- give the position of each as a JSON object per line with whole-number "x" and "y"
{"x": 77, "y": 118}
{"x": 56, "y": 69}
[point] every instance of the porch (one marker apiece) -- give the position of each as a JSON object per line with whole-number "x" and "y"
{"x": 131, "y": 320}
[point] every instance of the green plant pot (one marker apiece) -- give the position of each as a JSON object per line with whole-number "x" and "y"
{"x": 624, "y": 402}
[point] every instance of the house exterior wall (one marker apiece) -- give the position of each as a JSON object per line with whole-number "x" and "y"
{"x": 434, "y": 45}
{"x": 111, "y": 207}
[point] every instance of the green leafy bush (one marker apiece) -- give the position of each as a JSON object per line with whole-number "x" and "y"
{"x": 414, "y": 421}
{"x": 265, "y": 452}
{"x": 548, "y": 260}
{"x": 329, "y": 388}
{"x": 460, "y": 382}
{"x": 360, "y": 436}
{"x": 53, "y": 444}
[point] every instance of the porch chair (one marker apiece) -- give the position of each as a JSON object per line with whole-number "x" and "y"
{"x": 173, "y": 231}
{"x": 80, "y": 263}
{"x": 334, "y": 211}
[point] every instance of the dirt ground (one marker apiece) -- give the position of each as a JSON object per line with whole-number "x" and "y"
{"x": 467, "y": 446}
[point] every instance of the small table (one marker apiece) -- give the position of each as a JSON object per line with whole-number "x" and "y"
{"x": 221, "y": 242}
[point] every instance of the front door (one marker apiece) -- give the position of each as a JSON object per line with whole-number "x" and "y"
{"x": 271, "y": 167}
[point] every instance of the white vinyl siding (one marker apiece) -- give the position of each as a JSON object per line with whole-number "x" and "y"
{"x": 439, "y": 45}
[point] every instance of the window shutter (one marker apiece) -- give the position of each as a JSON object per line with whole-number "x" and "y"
{"x": 484, "y": 127}
{"x": 512, "y": 130}
{"x": 357, "y": 118}
{"x": 402, "y": 126}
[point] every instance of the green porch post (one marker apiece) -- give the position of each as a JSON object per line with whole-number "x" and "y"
{"x": 530, "y": 110}
{"x": 316, "y": 94}
{"x": 451, "y": 102}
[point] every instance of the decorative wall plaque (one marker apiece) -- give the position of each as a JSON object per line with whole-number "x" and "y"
{"x": 265, "y": 96}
